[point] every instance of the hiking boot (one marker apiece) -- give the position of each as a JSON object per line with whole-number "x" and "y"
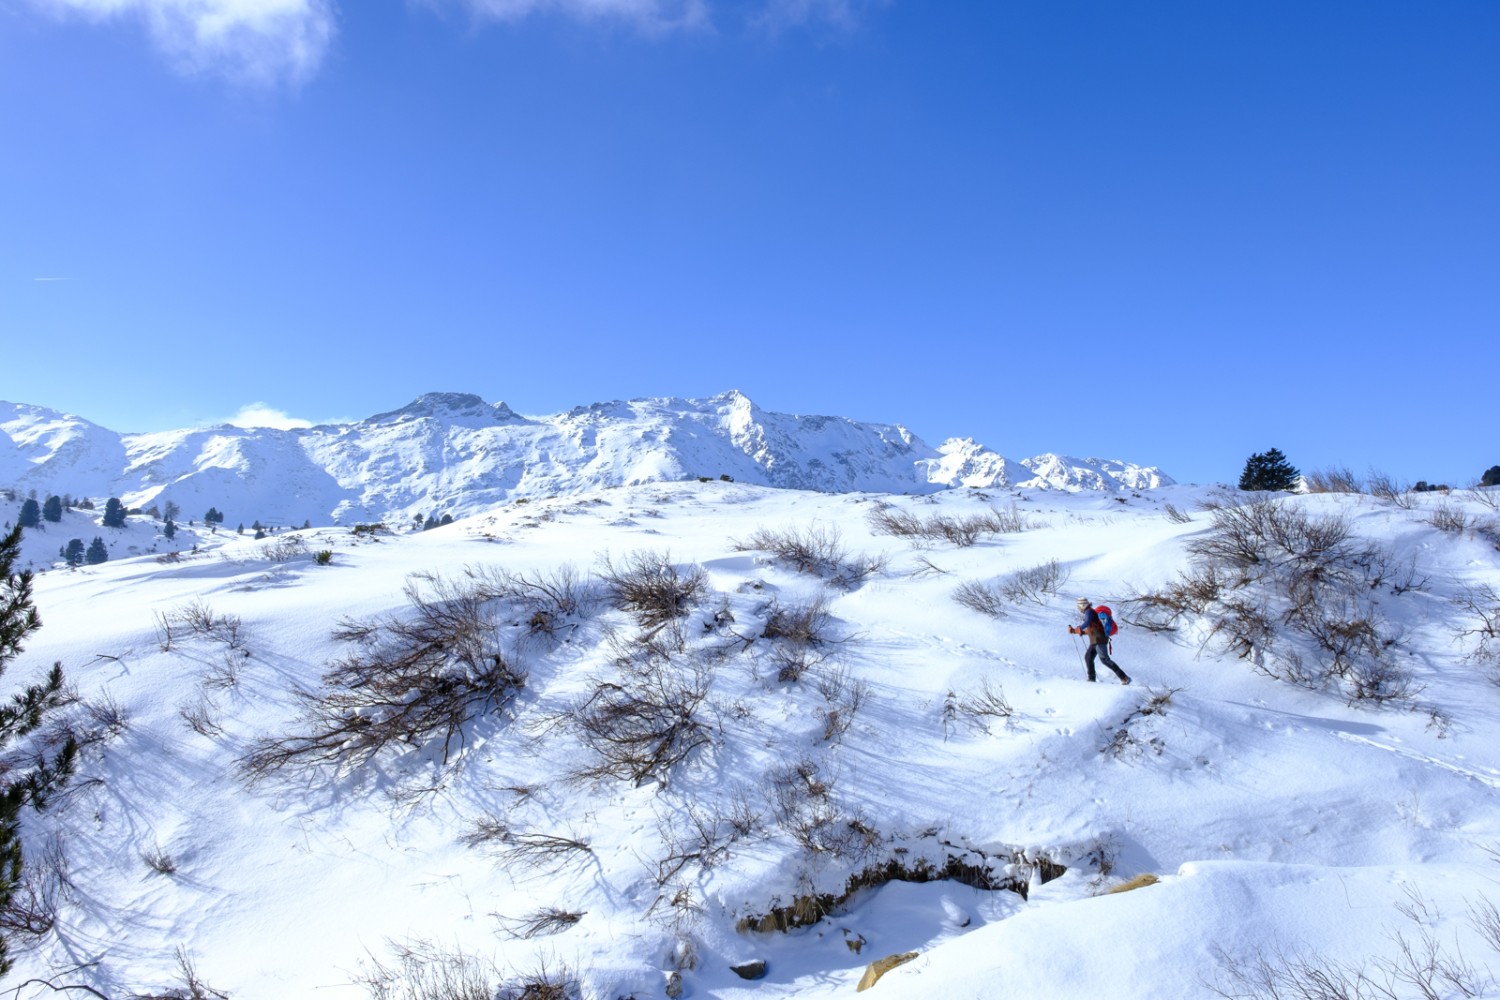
{"x": 1124, "y": 680}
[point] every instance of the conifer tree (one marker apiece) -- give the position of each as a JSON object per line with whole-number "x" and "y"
{"x": 96, "y": 553}
{"x": 30, "y": 516}
{"x": 52, "y": 509}
{"x": 33, "y": 777}
{"x": 169, "y": 529}
{"x": 1269, "y": 470}
{"x": 114, "y": 513}
{"x": 1491, "y": 476}
{"x": 73, "y": 552}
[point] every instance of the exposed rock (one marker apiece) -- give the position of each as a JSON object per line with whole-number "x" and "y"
{"x": 750, "y": 970}
{"x": 674, "y": 985}
{"x": 880, "y": 967}
{"x": 854, "y": 941}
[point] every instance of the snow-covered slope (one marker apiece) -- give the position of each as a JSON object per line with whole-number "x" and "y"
{"x": 454, "y": 453}
{"x": 904, "y": 734}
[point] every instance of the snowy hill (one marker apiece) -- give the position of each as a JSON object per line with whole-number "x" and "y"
{"x": 617, "y": 740}
{"x": 456, "y": 454}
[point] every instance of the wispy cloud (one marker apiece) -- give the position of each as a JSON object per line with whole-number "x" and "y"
{"x": 258, "y": 42}
{"x": 647, "y": 15}
{"x": 283, "y": 42}
{"x": 262, "y": 415}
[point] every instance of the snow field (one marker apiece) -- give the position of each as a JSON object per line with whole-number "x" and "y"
{"x": 1279, "y": 818}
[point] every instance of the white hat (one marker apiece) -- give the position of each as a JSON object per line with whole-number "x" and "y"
{"x": 1083, "y": 602}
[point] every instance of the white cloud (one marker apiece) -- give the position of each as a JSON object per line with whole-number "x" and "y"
{"x": 649, "y": 15}
{"x": 260, "y": 42}
{"x": 262, "y": 415}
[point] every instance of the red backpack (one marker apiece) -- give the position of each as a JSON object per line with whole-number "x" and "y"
{"x": 1107, "y": 619}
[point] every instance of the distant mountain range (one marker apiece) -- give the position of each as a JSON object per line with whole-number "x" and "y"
{"x": 455, "y": 453}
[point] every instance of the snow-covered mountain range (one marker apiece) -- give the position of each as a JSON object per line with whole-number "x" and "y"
{"x": 455, "y": 453}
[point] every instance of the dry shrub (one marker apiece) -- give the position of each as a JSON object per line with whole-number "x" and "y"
{"x": 1268, "y": 571}
{"x": 1447, "y": 518}
{"x": 652, "y": 588}
{"x": 1335, "y": 479}
{"x": 958, "y": 531}
{"x": 412, "y": 680}
{"x": 817, "y": 551}
{"x": 641, "y": 729}
{"x": 1035, "y": 583}
{"x": 981, "y": 597}
{"x": 978, "y": 709}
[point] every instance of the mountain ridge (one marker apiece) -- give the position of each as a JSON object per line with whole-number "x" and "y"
{"x": 456, "y": 453}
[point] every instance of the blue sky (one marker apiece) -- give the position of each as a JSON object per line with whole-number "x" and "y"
{"x": 1169, "y": 232}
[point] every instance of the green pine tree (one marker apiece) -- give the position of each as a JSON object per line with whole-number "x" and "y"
{"x": 73, "y": 552}
{"x": 31, "y": 515}
{"x": 114, "y": 514}
{"x": 96, "y": 553}
{"x": 35, "y": 777}
{"x": 52, "y": 509}
{"x": 1269, "y": 470}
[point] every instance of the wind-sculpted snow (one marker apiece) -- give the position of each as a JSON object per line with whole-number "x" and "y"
{"x": 454, "y": 453}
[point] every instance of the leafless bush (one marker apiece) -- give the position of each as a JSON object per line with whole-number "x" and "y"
{"x": 105, "y": 713}
{"x": 961, "y": 531}
{"x": 802, "y": 804}
{"x": 652, "y": 588}
{"x": 1176, "y": 515}
{"x": 1384, "y": 487}
{"x": 545, "y": 603}
{"x": 1035, "y": 583}
{"x": 640, "y": 730}
{"x": 541, "y": 923}
{"x": 192, "y": 987}
{"x": 979, "y": 709}
{"x": 926, "y": 567}
{"x": 412, "y": 680}
{"x": 1335, "y": 479}
{"x": 226, "y": 673}
{"x": 1445, "y": 517}
{"x": 199, "y": 716}
{"x": 1489, "y": 497}
{"x": 1268, "y": 533}
{"x": 1416, "y": 968}
{"x": 844, "y": 698}
{"x": 35, "y": 890}
{"x": 1191, "y": 594}
{"x": 159, "y": 861}
{"x": 888, "y": 519}
{"x": 981, "y": 597}
{"x": 198, "y": 619}
{"x": 487, "y": 829}
{"x": 542, "y": 984}
{"x": 817, "y": 551}
{"x": 423, "y": 971}
{"x": 1481, "y": 602}
{"x": 285, "y": 549}
{"x": 541, "y": 852}
{"x": 801, "y": 625}
{"x": 695, "y": 836}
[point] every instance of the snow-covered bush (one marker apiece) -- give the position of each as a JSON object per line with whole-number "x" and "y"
{"x": 412, "y": 680}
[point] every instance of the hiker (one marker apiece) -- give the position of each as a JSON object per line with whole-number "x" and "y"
{"x": 1097, "y": 638}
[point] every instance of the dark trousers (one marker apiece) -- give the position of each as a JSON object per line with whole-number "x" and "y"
{"x": 1101, "y": 650}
